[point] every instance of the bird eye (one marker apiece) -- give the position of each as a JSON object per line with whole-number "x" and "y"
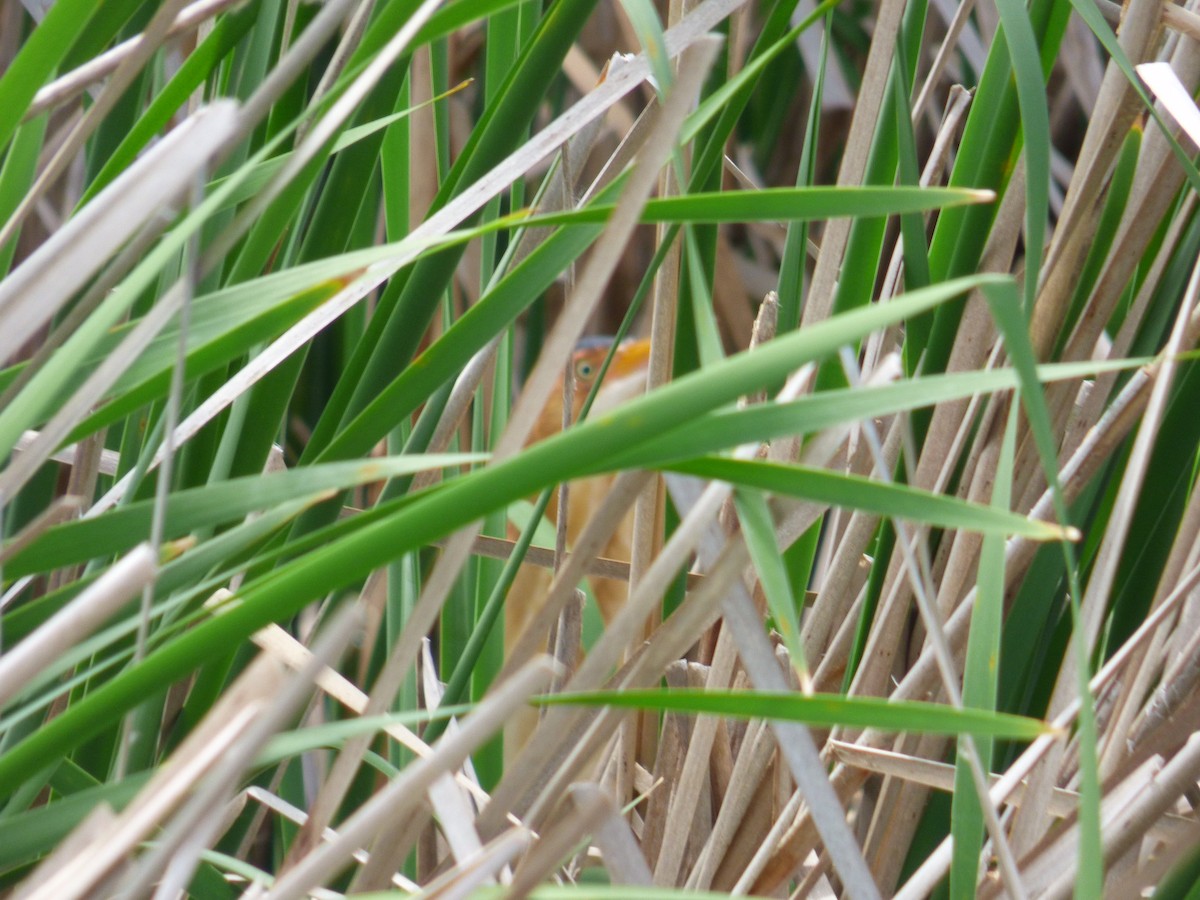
{"x": 584, "y": 370}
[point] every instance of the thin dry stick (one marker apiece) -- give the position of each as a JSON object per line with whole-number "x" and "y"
{"x": 857, "y": 146}
{"x": 1130, "y": 328}
{"x": 1183, "y": 20}
{"x": 695, "y": 771}
{"x": 957, "y": 104}
{"x": 1108, "y": 122}
{"x": 460, "y": 882}
{"x": 672, "y": 743}
{"x": 946, "y": 50}
{"x": 351, "y": 38}
{"x": 757, "y": 747}
{"x": 950, "y": 427}
{"x": 694, "y": 775}
{"x": 940, "y": 776}
{"x": 891, "y": 830}
{"x": 294, "y": 655}
{"x": 586, "y": 813}
{"x": 279, "y": 806}
{"x": 563, "y": 512}
{"x": 613, "y": 837}
{"x": 390, "y": 846}
{"x": 1155, "y": 799}
{"x": 749, "y": 878}
{"x": 182, "y": 295}
{"x": 843, "y": 579}
{"x": 186, "y": 288}
{"x": 395, "y": 800}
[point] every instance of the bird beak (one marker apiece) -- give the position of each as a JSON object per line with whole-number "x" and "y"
{"x": 631, "y": 357}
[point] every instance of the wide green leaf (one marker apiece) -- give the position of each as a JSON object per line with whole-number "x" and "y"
{"x": 857, "y": 492}
{"x": 210, "y": 505}
{"x": 816, "y": 709}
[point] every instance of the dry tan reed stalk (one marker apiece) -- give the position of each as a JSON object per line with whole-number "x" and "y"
{"x": 71, "y": 83}
{"x": 389, "y": 806}
{"x": 75, "y": 621}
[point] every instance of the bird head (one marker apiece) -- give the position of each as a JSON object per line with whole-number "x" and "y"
{"x": 630, "y": 359}
{"x": 624, "y": 379}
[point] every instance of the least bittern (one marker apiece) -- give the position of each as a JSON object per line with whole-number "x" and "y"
{"x": 625, "y": 378}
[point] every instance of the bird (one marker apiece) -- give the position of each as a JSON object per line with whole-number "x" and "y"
{"x": 625, "y": 379}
